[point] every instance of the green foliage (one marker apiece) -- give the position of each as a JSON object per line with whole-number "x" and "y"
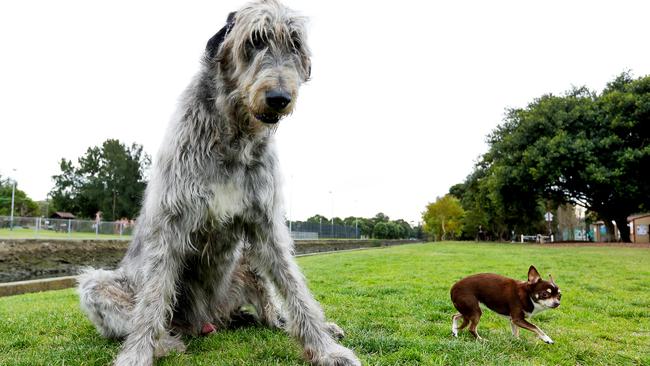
{"x": 443, "y": 218}
{"x": 318, "y": 219}
{"x": 23, "y": 205}
{"x": 380, "y": 226}
{"x": 581, "y": 148}
{"x": 109, "y": 178}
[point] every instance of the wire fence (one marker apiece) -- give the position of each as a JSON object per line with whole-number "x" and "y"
{"x": 41, "y": 227}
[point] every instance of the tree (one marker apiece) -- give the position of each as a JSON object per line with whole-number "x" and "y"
{"x": 580, "y": 148}
{"x": 318, "y": 219}
{"x": 109, "y": 178}
{"x": 381, "y": 231}
{"x": 23, "y": 205}
{"x": 443, "y": 218}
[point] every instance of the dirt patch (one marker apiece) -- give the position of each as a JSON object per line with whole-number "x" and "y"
{"x": 28, "y": 259}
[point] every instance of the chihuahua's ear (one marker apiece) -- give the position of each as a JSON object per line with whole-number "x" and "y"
{"x": 533, "y": 275}
{"x": 550, "y": 279}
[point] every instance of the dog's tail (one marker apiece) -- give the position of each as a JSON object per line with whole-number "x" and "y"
{"x": 107, "y": 299}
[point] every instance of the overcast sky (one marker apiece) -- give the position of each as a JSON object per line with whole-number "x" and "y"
{"x": 402, "y": 94}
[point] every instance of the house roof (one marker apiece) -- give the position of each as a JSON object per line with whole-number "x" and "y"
{"x": 638, "y": 216}
{"x": 64, "y": 215}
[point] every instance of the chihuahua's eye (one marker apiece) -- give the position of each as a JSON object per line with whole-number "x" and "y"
{"x": 543, "y": 295}
{"x": 559, "y": 296}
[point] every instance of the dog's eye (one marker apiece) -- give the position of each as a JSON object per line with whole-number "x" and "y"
{"x": 257, "y": 42}
{"x": 296, "y": 43}
{"x": 543, "y": 295}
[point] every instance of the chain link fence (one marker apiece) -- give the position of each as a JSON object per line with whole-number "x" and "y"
{"x": 40, "y": 227}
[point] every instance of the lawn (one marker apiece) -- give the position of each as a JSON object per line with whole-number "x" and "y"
{"x": 394, "y": 305}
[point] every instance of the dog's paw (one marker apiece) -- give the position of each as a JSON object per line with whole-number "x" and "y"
{"x": 334, "y": 355}
{"x": 547, "y": 339}
{"x": 167, "y": 344}
{"x": 131, "y": 358}
{"x": 335, "y": 331}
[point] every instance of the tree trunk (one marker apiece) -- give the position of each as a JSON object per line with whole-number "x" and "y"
{"x": 621, "y": 224}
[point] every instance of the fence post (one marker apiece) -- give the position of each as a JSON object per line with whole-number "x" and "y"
{"x": 522, "y": 238}
{"x": 69, "y": 227}
{"x": 38, "y": 225}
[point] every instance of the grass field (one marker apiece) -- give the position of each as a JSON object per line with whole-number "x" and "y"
{"x": 394, "y": 305}
{"x": 22, "y": 233}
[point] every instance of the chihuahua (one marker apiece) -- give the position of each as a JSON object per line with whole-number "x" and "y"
{"x": 514, "y": 299}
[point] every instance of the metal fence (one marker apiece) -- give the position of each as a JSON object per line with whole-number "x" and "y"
{"x": 41, "y": 227}
{"x": 324, "y": 230}
{"x": 47, "y": 227}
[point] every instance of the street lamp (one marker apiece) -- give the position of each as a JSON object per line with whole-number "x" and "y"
{"x": 13, "y": 195}
{"x": 332, "y": 199}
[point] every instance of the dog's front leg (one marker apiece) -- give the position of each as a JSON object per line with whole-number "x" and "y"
{"x": 153, "y": 304}
{"x": 306, "y": 320}
{"x": 523, "y": 323}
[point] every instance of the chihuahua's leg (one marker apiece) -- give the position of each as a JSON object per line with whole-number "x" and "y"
{"x": 514, "y": 328}
{"x": 454, "y": 324}
{"x": 533, "y": 328}
{"x": 473, "y": 324}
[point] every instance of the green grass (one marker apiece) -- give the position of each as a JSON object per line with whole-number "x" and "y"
{"x": 394, "y": 305}
{"x": 22, "y": 233}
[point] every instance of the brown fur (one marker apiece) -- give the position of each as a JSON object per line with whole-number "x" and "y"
{"x": 508, "y": 297}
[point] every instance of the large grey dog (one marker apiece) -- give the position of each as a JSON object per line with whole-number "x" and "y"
{"x": 211, "y": 235}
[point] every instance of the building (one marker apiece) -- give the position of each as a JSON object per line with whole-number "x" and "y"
{"x": 639, "y": 225}
{"x": 63, "y": 215}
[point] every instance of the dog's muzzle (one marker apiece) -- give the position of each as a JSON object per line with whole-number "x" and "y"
{"x": 276, "y": 101}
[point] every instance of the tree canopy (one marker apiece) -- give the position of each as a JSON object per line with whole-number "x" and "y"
{"x": 443, "y": 218}
{"x": 23, "y": 205}
{"x": 108, "y": 178}
{"x": 583, "y": 147}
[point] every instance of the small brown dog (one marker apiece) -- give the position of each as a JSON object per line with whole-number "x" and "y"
{"x": 508, "y": 297}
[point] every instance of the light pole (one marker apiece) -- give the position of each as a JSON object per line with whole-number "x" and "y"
{"x": 332, "y": 212}
{"x": 13, "y": 195}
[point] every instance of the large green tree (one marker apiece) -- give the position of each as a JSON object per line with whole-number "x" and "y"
{"x": 23, "y": 205}
{"x": 582, "y": 148}
{"x": 108, "y": 178}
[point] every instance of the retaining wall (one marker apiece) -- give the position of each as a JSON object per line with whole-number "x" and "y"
{"x": 23, "y": 262}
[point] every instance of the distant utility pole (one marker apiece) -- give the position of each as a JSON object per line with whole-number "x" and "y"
{"x": 332, "y": 199}
{"x": 13, "y": 195}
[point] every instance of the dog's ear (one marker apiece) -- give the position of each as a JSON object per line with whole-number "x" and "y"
{"x": 533, "y": 275}
{"x": 215, "y": 42}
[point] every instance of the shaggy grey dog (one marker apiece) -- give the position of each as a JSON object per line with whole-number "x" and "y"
{"x": 211, "y": 235}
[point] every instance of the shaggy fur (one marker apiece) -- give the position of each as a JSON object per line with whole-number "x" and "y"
{"x": 211, "y": 235}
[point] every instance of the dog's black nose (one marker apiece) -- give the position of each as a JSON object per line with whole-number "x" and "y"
{"x": 277, "y": 99}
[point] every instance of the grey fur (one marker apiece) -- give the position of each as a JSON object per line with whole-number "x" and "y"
{"x": 211, "y": 235}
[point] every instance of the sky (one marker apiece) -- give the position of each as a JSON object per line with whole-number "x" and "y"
{"x": 401, "y": 98}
